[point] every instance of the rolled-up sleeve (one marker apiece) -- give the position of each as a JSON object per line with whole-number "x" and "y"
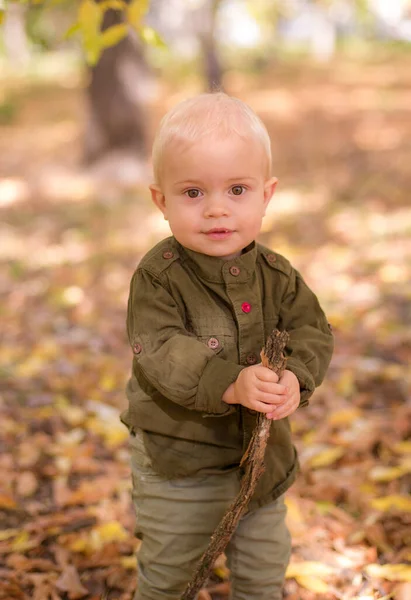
{"x": 171, "y": 359}
{"x": 311, "y": 342}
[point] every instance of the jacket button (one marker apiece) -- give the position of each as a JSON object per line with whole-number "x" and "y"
{"x": 213, "y": 343}
{"x": 272, "y": 258}
{"x": 168, "y": 254}
{"x": 251, "y": 359}
{"x": 251, "y": 411}
{"x": 137, "y": 348}
{"x": 246, "y": 307}
{"x": 234, "y": 271}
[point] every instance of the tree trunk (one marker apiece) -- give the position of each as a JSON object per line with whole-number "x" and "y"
{"x": 206, "y": 19}
{"x": 117, "y": 89}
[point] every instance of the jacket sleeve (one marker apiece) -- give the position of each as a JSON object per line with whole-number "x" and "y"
{"x": 311, "y": 343}
{"x": 172, "y": 360}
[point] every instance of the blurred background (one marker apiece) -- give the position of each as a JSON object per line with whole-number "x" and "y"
{"x": 331, "y": 79}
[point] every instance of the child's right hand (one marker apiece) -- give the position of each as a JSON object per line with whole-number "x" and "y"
{"x": 256, "y": 388}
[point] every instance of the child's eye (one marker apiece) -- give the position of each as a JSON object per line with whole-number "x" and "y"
{"x": 237, "y": 190}
{"x": 193, "y": 193}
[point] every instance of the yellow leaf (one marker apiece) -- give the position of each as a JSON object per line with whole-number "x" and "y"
{"x": 308, "y": 569}
{"x": 380, "y": 473}
{"x": 326, "y": 458}
{"x": 90, "y": 17}
{"x": 399, "y": 572}
{"x": 344, "y": 417}
{"x": 346, "y": 383}
{"x": 6, "y": 534}
{"x": 108, "y": 382}
{"x": 75, "y": 28}
{"x": 22, "y": 543}
{"x": 136, "y": 11}
{"x": 293, "y": 510}
{"x": 93, "y": 51}
{"x": 2, "y": 14}
{"x": 395, "y": 501}
{"x": 113, "y": 35}
{"x": 403, "y": 447}
{"x": 115, "y": 436}
{"x": 112, "y": 531}
{"x": 128, "y": 562}
{"x": 314, "y": 584}
{"x": 114, "y": 4}
{"x": 151, "y": 36}
{"x": 73, "y": 415}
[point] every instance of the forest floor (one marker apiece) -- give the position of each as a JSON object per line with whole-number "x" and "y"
{"x": 69, "y": 243}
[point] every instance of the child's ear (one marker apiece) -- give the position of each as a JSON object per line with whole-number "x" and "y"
{"x": 269, "y": 189}
{"x": 159, "y": 199}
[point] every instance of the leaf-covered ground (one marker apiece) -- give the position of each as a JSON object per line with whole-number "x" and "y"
{"x": 68, "y": 248}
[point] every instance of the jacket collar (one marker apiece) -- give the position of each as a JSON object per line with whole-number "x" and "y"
{"x": 219, "y": 270}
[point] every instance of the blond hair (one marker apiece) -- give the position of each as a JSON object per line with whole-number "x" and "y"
{"x": 208, "y": 114}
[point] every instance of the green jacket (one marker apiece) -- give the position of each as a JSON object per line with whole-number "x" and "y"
{"x": 194, "y": 322}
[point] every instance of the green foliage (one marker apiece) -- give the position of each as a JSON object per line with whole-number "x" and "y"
{"x": 90, "y": 15}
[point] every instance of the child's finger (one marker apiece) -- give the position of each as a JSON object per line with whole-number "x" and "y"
{"x": 272, "y": 388}
{"x": 261, "y": 407}
{"x": 283, "y": 410}
{"x": 271, "y": 398}
{"x": 266, "y": 374}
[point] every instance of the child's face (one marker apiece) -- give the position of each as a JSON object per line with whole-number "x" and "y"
{"x": 214, "y": 194}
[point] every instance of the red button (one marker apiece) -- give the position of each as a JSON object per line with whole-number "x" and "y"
{"x": 168, "y": 254}
{"x": 245, "y": 307}
{"x": 235, "y": 271}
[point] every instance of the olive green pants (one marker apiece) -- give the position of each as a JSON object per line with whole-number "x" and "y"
{"x": 175, "y": 520}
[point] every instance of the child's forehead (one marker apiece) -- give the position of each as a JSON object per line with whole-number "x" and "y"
{"x": 214, "y": 158}
{"x": 208, "y": 142}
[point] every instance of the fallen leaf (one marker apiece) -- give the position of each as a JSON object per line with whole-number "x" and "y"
{"x": 308, "y": 569}
{"x": 395, "y": 501}
{"x": 326, "y": 458}
{"x": 26, "y": 484}
{"x": 69, "y": 582}
{"x": 312, "y": 583}
{"x": 7, "y": 502}
{"x": 400, "y": 572}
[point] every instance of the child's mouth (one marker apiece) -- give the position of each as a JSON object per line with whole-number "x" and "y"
{"x": 219, "y": 233}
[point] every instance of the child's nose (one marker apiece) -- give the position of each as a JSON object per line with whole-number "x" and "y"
{"x": 216, "y": 207}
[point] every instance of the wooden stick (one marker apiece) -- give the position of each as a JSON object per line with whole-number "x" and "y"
{"x": 272, "y": 357}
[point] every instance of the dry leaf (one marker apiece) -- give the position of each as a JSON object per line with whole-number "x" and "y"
{"x": 308, "y": 569}
{"x": 326, "y": 458}
{"x": 69, "y": 582}
{"x": 388, "y": 503}
{"x": 26, "y": 484}
{"x": 400, "y": 572}
{"x": 312, "y": 583}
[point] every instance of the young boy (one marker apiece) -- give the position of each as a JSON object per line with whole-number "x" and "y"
{"x": 202, "y": 303}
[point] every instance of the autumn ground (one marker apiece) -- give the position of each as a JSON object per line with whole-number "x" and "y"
{"x": 69, "y": 244}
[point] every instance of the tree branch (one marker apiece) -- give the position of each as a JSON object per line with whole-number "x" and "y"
{"x": 272, "y": 357}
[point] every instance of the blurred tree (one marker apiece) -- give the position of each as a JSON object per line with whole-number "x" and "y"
{"x": 116, "y": 119}
{"x": 205, "y": 15}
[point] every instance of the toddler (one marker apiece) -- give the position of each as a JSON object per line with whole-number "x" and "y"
{"x": 202, "y": 304}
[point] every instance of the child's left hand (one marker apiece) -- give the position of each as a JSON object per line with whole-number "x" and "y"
{"x": 291, "y": 399}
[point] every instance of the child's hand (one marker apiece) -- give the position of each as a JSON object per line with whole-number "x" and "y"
{"x": 257, "y": 387}
{"x": 291, "y": 400}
